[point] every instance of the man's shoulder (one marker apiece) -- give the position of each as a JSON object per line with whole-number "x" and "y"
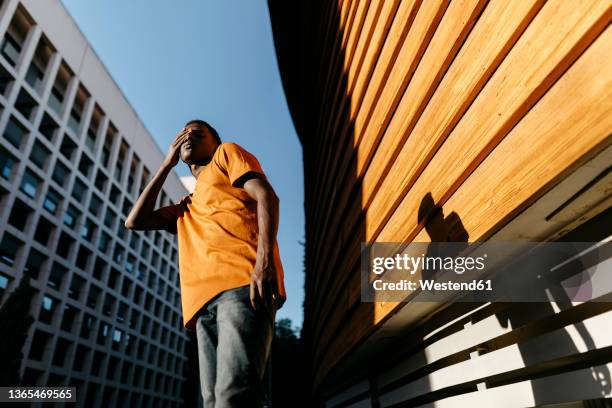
{"x": 227, "y": 150}
{"x": 230, "y": 146}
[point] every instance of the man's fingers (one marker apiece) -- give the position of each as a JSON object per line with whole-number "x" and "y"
{"x": 180, "y": 140}
{"x": 181, "y": 133}
{"x": 252, "y": 295}
{"x": 262, "y": 292}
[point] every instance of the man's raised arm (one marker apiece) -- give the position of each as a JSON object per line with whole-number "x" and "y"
{"x": 143, "y": 215}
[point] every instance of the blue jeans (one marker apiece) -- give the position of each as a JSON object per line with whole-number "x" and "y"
{"x": 233, "y": 347}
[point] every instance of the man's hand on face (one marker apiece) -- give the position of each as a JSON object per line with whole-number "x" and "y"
{"x": 264, "y": 286}
{"x": 174, "y": 152}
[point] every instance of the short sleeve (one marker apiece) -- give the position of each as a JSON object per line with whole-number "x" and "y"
{"x": 237, "y": 162}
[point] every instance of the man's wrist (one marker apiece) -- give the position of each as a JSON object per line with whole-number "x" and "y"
{"x": 167, "y": 164}
{"x": 264, "y": 258}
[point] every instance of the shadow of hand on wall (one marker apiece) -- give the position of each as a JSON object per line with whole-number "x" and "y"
{"x": 440, "y": 229}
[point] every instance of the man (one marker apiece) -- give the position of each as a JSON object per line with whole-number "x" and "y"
{"x": 230, "y": 271}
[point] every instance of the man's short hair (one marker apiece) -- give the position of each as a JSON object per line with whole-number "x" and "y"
{"x": 211, "y": 129}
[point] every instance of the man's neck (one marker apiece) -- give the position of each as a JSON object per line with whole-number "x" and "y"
{"x": 196, "y": 169}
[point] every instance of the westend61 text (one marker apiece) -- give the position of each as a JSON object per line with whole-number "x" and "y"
{"x": 431, "y": 284}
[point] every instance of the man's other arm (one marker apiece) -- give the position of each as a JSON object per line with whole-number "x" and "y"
{"x": 264, "y": 278}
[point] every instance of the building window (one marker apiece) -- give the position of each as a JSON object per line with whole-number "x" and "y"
{"x": 7, "y": 163}
{"x": 52, "y": 201}
{"x": 87, "y": 230}
{"x": 99, "y": 358}
{"x": 43, "y": 232}
{"x": 4, "y": 282}
{"x": 95, "y": 204}
{"x": 15, "y": 132}
{"x": 92, "y": 297}
{"x": 125, "y": 288}
{"x": 101, "y": 181}
{"x": 10, "y": 49}
{"x": 68, "y": 148}
{"x": 76, "y": 286}
{"x": 87, "y": 326}
{"x": 79, "y": 190}
{"x": 56, "y": 276}
{"x": 80, "y": 357}
{"x": 141, "y": 272}
{"x": 85, "y": 165}
{"x": 107, "y": 307}
{"x": 115, "y": 195}
{"x": 34, "y": 263}
{"x": 92, "y": 129}
{"x": 62, "y": 348}
{"x": 134, "y": 241}
{"x": 133, "y": 320}
{"x": 40, "y": 60}
{"x": 122, "y": 312}
{"x": 71, "y": 216}
{"x": 9, "y": 249}
{"x": 69, "y": 316}
{"x": 39, "y": 154}
{"x": 58, "y": 91}
{"x": 104, "y": 242}
{"x": 117, "y": 336}
{"x": 99, "y": 268}
{"x": 39, "y": 344}
{"x": 76, "y": 113}
{"x": 103, "y": 332}
{"x": 83, "y": 257}
{"x": 129, "y": 263}
{"x": 20, "y": 215}
{"x": 48, "y": 127}
{"x": 111, "y": 131}
{"x": 137, "y": 295}
{"x": 64, "y": 245}
{"x": 113, "y": 278}
{"x": 60, "y": 173}
{"x": 109, "y": 218}
{"x": 118, "y": 254}
{"x": 30, "y": 183}
{"x": 127, "y": 206}
{"x": 15, "y": 35}
{"x": 47, "y": 308}
{"x": 6, "y": 79}
{"x": 25, "y": 104}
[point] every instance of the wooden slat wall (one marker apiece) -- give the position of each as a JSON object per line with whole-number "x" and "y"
{"x": 482, "y": 105}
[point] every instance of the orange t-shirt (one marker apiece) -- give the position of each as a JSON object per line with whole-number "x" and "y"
{"x": 218, "y": 231}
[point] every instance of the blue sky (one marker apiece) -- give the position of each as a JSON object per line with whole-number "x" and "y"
{"x": 213, "y": 60}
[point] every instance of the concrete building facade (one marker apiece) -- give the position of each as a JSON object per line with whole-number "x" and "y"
{"x": 74, "y": 157}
